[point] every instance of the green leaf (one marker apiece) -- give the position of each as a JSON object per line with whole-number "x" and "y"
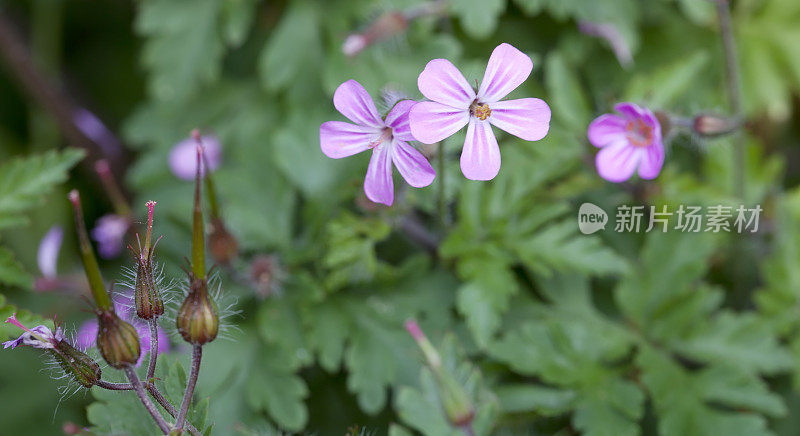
{"x": 275, "y": 388}
{"x": 681, "y": 399}
{"x": 663, "y": 87}
{"x": 547, "y": 401}
{"x": 24, "y": 182}
{"x": 183, "y": 49}
{"x": 567, "y": 97}
{"x": 280, "y": 62}
{"x": 478, "y": 17}
{"x": 351, "y": 257}
{"x": 11, "y": 271}
{"x": 485, "y": 298}
{"x": 9, "y": 331}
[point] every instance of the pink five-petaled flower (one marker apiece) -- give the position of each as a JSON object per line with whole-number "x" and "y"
{"x": 456, "y": 104}
{"x": 37, "y": 337}
{"x": 626, "y": 142}
{"x": 386, "y": 137}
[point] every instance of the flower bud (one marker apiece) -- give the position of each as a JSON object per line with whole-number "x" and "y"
{"x": 712, "y": 125}
{"x": 198, "y": 318}
{"x": 147, "y": 297}
{"x": 222, "y": 243}
{"x": 117, "y": 340}
{"x": 76, "y": 363}
{"x": 455, "y": 401}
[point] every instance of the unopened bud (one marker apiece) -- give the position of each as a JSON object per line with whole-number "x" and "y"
{"x": 198, "y": 318}
{"x": 222, "y": 243}
{"x": 149, "y": 303}
{"x": 455, "y": 401}
{"x": 712, "y": 125}
{"x": 117, "y": 340}
{"x": 77, "y": 364}
{"x": 147, "y": 297}
{"x": 386, "y": 26}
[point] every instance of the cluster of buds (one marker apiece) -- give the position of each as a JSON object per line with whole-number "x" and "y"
{"x": 117, "y": 340}
{"x": 456, "y": 403}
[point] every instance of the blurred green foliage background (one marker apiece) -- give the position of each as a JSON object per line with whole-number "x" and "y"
{"x": 553, "y": 332}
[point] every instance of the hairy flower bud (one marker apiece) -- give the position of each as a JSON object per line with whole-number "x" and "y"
{"x": 147, "y": 297}
{"x": 76, "y": 363}
{"x": 711, "y": 126}
{"x": 222, "y": 243}
{"x": 198, "y": 318}
{"x": 117, "y": 340}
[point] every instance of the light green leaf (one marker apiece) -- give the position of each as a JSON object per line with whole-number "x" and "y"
{"x": 24, "y": 181}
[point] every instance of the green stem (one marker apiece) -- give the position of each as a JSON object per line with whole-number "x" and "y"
{"x": 197, "y": 355}
{"x": 90, "y": 265}
{"x": 734, "y": 87}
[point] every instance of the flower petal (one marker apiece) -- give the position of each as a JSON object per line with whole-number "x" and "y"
{"x": 353, "y": 101}
{"x": 480, "y": 158}
{"x": 183, "y": 156}
{"x": 378, "y": 184}
{"x": 617, "y": 162}
{"x": 506, "y": 70}
{"x": 412, "y": 165}
{"x": 527, "y": 118}
{"x": 651, "y": 161}
{"x": 398, "y": 120}
{"x": 432, "y": 122}
{"x": 630, "y": 110}
{"x": 441, "y": 81}
{"x": 606, "y": 129}
{"x": 339, "y": 139}
{"x": 49, "y": 247}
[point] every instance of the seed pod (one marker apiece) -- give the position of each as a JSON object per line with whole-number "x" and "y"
{"x": 76, "y": 363}
{"x": 147, "y": 298}
{"x": 198, "y": 318}
{"x": 117, "y": 340}
{"x": 455, "y": 401}
{"x": 222, "y": 243}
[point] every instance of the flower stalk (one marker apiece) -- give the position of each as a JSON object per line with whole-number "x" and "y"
{"x": 103, "y": 170}
{"x": 90, "y": 265}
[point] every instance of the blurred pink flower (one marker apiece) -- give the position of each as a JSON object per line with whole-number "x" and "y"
{"x": 109, "y": 232}
{"x": 49, "y": 247}
{"x": 627, "y": 141}
{"x": 386, "y": 137}
{"x": 612, "y": 35}
{"x": 183, "y": 157}
{"x": 456, "y": 104}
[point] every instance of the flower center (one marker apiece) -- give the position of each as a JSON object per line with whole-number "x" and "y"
{"x": 639, "y": 133}
{"x": 480, "y": 110}
{"x": 386, "y": 135}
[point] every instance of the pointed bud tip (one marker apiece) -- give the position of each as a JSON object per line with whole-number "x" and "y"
{"x": 196, "y": 134}
{"x": 413, "y": 329}
{"x": 74, "y": 197}
{"x": 102, "y": 168}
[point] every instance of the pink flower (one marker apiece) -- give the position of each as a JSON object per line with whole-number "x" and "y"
{"x": 109, "y": 232}
{"x": 47, "y": 256}
{"x": 37, "y": 337}
{"x": 456, "y": 104}
{"x": 183, "y": 157}
{"x": 385, "y": 136}
{"x": 628, "y": 141}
